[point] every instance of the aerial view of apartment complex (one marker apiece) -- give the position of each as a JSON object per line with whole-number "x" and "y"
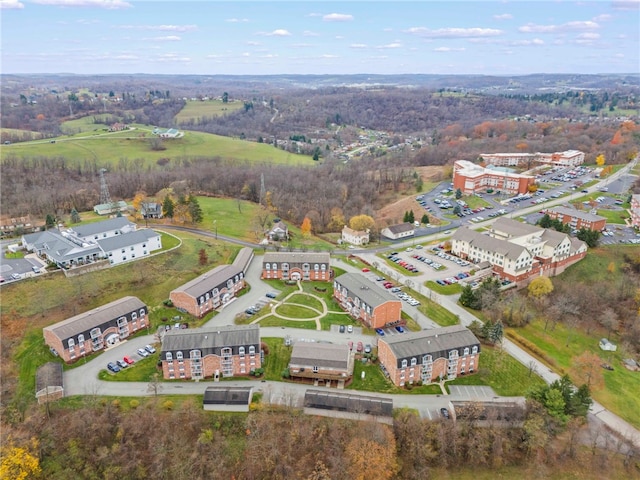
{"x": 568, "y": 158}
{"x": 518, "y": 251}
{"x": 472, "y": 178}
{"x": 308, "y": 266}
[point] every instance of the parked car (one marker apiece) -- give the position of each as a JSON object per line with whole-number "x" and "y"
{"x": 113, "y": 367}
{"x": 122, "y": 364}
{"x": 271, "y": 295}
{"x": 342, "y": 329}
{"x": 445, "y": 413}
{"x": 365, "y": 270}
{"x": 359, "y": 347}
{"x": 149, "y": 349}
{"x": 142, "y": 352}
{"x": 380, "y": 332}
{"x": 350, "y": 345}
{"x": 400, "y": 329}
{"x": 350, "y": 328}
{"x": 129, "y": 360}
{"x": 367, "y": 348}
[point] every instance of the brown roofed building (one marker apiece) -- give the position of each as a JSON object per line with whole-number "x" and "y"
{"x": 313, "y": 266}
{"x": 49, "y": 382}
{"x": 321, "y": 363}
{"x": 429, "y": 355}
{"x": 91, "y": 331}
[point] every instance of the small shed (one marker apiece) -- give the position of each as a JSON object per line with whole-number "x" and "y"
{"x": 49, "y": 382}
{"x": 227, "y": 399}
{"x": 606, "y": 345}
{"x": 348, "y": 405}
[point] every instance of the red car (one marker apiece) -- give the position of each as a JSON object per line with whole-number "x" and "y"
{"x": 129, "y": 360}
{"x": 360, "y": 347}
{"x": 365, "y": 270}
{"x": 350, "y": 345}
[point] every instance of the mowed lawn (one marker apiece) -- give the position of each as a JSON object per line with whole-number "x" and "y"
{"x": 194, "y": 110}
{"x": 134, "y": 147}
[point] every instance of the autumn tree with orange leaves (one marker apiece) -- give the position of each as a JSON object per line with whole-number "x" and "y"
{"x": 305, "y": 228}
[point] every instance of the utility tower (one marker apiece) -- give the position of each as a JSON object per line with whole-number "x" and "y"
{"x": 105, "y": 198}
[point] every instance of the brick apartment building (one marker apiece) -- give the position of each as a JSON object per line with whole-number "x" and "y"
{"x": 568, "y": 158}
{"x": 429, "y": 355}
{"x": 211, "y": 352}
{"x": 471, "y": 178}
{"x": 92, "y": 331}
{"x": 308, "y": 266}
{"x": 369, "y": 303}
{"x": 518, "y": 251}
{"x": 634, "y": 211}
{"x": 577, "y": 219}
{"x": 321, "y": 363}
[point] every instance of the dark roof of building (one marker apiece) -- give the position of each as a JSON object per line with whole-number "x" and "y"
{"x": 104, "y": 226}
{"x": 49, "y": 375}
{"x": 365, "y": 290}
{"x": 415, "y": 344}
{"x": 86, "y": 321}
{"x": 485, "y": 242}
{"x": 209, "y": 280}
{"x": 297, "y": 257}
{"x": 227, "y": 396}
{"x": 210, "y": 338}
{"x": 243, "y": 259}
{"x": 590, "y": 217}
{"x": 321, "y": 355}
{"x": 127, "y": 239}
{"x": 347, "y": 402}
{"x": 401, "y": 228}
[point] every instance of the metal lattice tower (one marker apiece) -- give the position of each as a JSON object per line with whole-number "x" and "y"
{"x": 105, "y": 198}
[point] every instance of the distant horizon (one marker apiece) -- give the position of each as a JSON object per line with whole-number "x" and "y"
{"x": 637, "y": 74}
{"x": 311, "y": 37}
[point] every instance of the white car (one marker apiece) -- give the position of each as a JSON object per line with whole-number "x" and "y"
{"x": 149, "y": 349}
{"x": 142, "y": 352}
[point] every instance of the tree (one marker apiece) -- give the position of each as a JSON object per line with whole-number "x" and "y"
{"x": 75, "y": 216}
{"x": 409, "y": 217}
{"x": 155, "y": 385}
{"x": 203, "y": 258}
{"x": 540, "y": 287}
{"x": 372, "y": 457}
{"x": 588, "y": 236}
{"x": 19, "y": 464}
{"x": 195, "y": 211}
{"x": 600, "y": 160}
{"x": 545, "y": 221}
{"x": 457, "y": 209}
{"x": 467, "y": 297}
{"x": 225, "y": 97}
{"x": 305, "y": 228}
{"x": 425, "y": 219}
{"x": 168, "y": 207}
{"x": 361, "y": 222}
{"x": 458, "y": 194}
{"x": 587, "y": 370}
{"x": 50, "y": 221}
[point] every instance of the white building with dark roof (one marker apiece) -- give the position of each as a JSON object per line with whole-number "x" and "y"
{"x": 568, "y": 158}
{"x": 96, "y": 329}
{"x": 429, "y": 355}
{"x": 355, "y": 237}
{"x": 211, "y": 352}
{"x": 396, "y": 232}
{"x": 373, "y": 306}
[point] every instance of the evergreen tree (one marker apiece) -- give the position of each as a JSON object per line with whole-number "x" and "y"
{"x": 425, "y": 219}
{"x": 411, "y": 218}
{"x": 467, "y": 297}
{"x": 167, "y": 207}
{"x": 458, "y": 194}
{"x": 195, "y": 210}
{"x": 50, "y": 221}
{"x": 75, "y": 216}
{"x": 545, "y": 221}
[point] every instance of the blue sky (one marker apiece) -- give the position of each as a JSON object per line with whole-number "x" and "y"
{"x": 320, "y": 37}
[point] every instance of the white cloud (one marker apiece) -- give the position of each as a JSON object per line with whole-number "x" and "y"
{"x": 168, "y": 38}
{"x": 269, "y": 55}
{"x": 357, "y": 45}
{"x": 327, "y": 55}
{"x": 605, "y": 17}
{"x": 569, "y": 26}
{"x": 454, "y": 32}
{"x": 237, "y": 20}
{"x": 280, "y": 32}
{"x": 171, "y": 57}
{"x": 253, "y": 43}
{"x": 108, "y": 4}
{"x": 161, "y": 28}
{"x": 504, "y": 16}
{"x": 337, "y": 17}
{"x": 526, "y": 43}
{"x": 309, "y": 33}
{"x": 11, "y": 4}
{"x": 448, "y": 49}
{"x": 390, "y": 45}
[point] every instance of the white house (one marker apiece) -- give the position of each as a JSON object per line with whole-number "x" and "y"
{"x": 396, "y": 232}
{"x": 355, "y": 237}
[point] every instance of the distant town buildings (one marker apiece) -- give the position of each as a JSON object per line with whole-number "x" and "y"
{"x": 471, "y": 178}
{"x": 568, "y": 158}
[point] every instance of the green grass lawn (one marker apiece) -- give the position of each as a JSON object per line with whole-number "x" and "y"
{"x": 295, "y": 311}
{"x": 305, "y": 300}
{"x": 194, "y": 110}
{"x": 443, "y": 289}
{"x": 277, "y": 360}
{"x": 272, "y": 321}
{"x": 141, "y": 371}
{"x": 613, "y": 216}
{"x": 132, "y": 148}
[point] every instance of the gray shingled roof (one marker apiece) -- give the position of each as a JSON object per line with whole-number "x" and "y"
{"x": 401, "y": 228}
{"x": 86, "y": 321}
{"x": 49, "y": 375}
{"x": 416, "y": 344}
{"x": 227, "y": 396}
{"x": 127, "y": 239}
{"x": 513, "y": 228}
{"x": 297, "y": 257}
{"x": 210, "y": 338}
{"x": 208, "y": 281}
{"x": 485, "y": 242}
{"x": 243, "y": 259}
{"x": 347, "y": 402}
{"x": 572, "y": 212}
{"x": 104, "y": 226}
{"x": 327, "y": 355}
{"x": 364, "y": 289}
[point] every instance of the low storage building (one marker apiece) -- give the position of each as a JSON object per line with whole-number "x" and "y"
{"x": 321, "y": 363}
{"x": 348, "y": 405}
{"x": 49, "y": 382}
{"x": 227, "y": 399}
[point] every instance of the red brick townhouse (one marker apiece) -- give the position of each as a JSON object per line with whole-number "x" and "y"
{"x": 209, "y": 291}
{"x": 429, "y": 355}
{"x": 321, "y": 363}
{"x": 634, "y": 211}
{"x": 369, "y": 303}
{"x": 211, "y": 352}
{"x": 471, "y": 178}
{"x": 577, "y": 219}
{"x": 96, "y": 329}
{"x": 314, "y": 266}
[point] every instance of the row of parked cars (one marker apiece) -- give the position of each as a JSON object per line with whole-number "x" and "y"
{"x": 428, "y": 261}
{"x": 452, "y": 280}
{"x": 406, "y": 265}
{"x": 451, "y": 258}
{"x": 127, "y": 360}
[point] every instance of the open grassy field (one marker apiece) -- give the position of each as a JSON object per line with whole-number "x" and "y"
{"x": 194, "y": 110}
{"x": 24, "y": 135}
{"x": 277, "y": 360}
{"x": 135, "y": 146}
{"x": 84, "y": 124}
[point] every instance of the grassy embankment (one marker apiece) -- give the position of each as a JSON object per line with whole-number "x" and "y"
{"x": 194, "y": 110}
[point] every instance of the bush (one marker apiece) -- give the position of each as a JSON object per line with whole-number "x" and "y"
{"x": 168, "y": 405}
{"x": 134, "y": 404}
